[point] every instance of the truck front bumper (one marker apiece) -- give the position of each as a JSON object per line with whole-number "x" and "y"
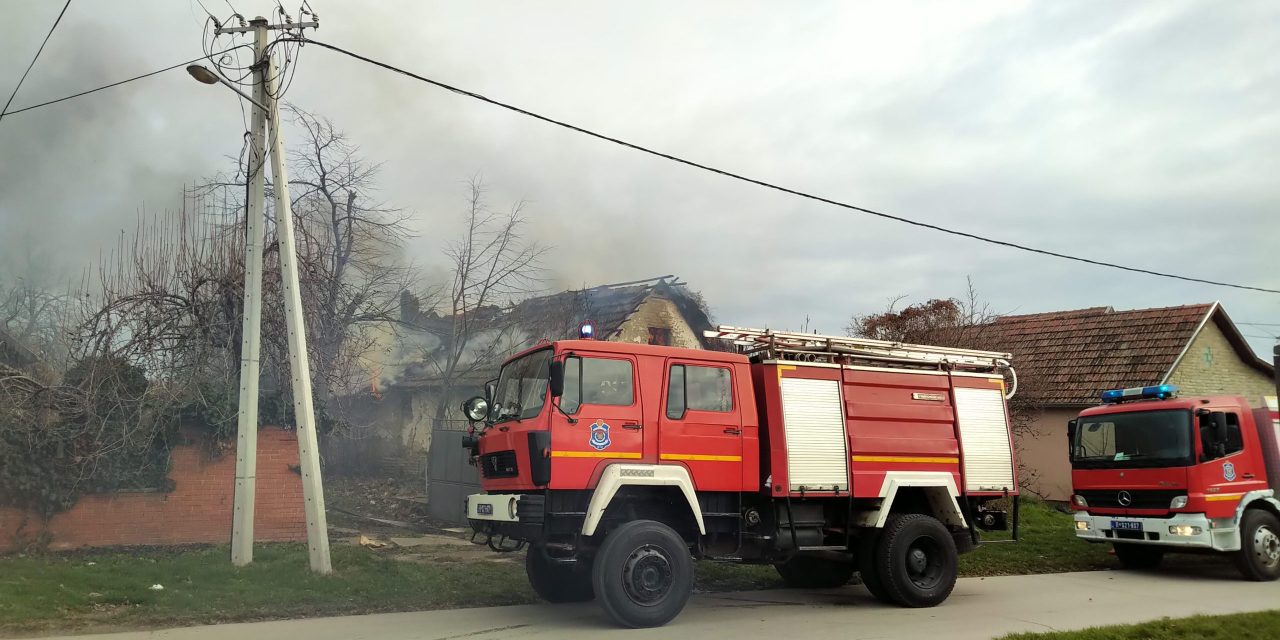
{"x": 514, "y": 515}
{"x": 1186, "y": 530}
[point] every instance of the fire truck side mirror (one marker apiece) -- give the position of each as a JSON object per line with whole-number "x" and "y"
{"x": 490, "y": 390}
{"x": 557, "y": 378}
{"x": 1071, "y": 432}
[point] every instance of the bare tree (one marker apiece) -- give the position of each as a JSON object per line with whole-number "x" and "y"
{"x": 350, "y": 249}
{"x": 493, "y": 265}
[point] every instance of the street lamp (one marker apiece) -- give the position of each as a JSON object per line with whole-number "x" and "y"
{"x": 204, "y": 75}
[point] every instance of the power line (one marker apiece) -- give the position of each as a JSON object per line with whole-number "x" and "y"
{"x": 1261, "y": 324}
{"x": 636, "y": 147}
{"x": 116, "y": 84}
{"x": 5, "y": 110}
{"x": 762, "y": 183}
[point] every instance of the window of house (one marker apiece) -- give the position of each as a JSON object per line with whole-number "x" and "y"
{"x": 597, "y": 381}
{"x": 660, "y": 335}
{"x": 699, "y": 389}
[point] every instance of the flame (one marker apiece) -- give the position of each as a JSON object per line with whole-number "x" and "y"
{"x": 373, "y": 383}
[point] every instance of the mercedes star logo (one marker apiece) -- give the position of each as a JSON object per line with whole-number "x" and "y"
{"x": 1124, "y": 498}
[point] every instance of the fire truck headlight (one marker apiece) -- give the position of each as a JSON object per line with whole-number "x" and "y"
{"x": 1082, "y": 525}
{"x": 1178, "y": 502}
{"x": 1079, "y": 501}
{"x": 1184, "y": 530}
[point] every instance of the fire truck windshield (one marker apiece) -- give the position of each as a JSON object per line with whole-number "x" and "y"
{"x": 522, "y": 387}
{"x": 1137, "y": 439}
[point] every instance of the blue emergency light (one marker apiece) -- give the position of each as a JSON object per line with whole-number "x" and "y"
{"x": 1156, "y": 392}
{"x": 586, "y": 331}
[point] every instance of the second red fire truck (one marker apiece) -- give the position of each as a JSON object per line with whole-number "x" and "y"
{"x": 617, "y": 464}
{"x": 1154, "y": 473}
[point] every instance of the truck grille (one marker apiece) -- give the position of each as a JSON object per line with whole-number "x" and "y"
{"x": 499, "y": 465}
{"x": 1139, "y": 498}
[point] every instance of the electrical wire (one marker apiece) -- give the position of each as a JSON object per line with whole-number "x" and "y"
{"x": 471, "y": 94}
{"x": 116, "y": 84}
{"x": 769, "y": 185}
{"x": 5, "y": 110}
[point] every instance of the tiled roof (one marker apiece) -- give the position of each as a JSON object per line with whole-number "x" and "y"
{"x": 1073, "y": 355}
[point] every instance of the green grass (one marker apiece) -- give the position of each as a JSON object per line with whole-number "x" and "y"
{"x": 201, "y": 586}
{"x": 112, "y": 589}
{"x": 1264, "y": 625}
{"x": 1048, "y": 545}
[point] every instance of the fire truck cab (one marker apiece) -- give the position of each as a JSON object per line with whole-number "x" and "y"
{"x": 617, "y": 464}
{"x": 1154, "y": 473}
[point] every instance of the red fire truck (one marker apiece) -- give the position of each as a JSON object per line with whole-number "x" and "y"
{"x": 1153, "y": 473}
{"x": 616, "y": 464}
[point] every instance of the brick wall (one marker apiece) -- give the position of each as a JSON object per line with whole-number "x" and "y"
{"x": 1212, "y": 367}
{"x": 661, "y": 313}
{"x": 198, "y": 510}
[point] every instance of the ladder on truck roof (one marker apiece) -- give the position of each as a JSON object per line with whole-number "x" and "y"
{"x": 812, "y": 347}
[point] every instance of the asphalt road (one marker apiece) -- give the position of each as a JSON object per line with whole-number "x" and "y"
{"x": 979, "y": 608}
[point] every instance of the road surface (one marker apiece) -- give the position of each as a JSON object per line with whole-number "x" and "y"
{"x": 979, "y": 608}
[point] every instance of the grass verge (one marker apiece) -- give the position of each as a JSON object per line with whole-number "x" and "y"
{"x": 1264, "y": 625}
{"x": 113, "y": 589}
{"x": 1048, "y": 545}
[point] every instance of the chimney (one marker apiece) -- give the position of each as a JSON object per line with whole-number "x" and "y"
{"x": 409, "y": 311}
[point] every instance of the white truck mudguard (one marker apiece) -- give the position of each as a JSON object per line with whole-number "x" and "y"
{"x": 620, "y": 475}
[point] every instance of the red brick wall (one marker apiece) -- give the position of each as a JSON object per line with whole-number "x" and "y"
{"x": 198, "y": 510}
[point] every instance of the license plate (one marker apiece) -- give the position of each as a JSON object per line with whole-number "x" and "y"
{"x": 484, "y": 509}
{"x": 1125, "y": 525}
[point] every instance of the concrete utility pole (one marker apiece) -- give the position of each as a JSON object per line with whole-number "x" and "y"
{"x": 265, "y": 94}
{"x": 299, "y": 363}
{"x": 251, "y": 327}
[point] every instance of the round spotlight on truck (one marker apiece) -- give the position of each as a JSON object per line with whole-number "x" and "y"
{"x": 476, "y": 409}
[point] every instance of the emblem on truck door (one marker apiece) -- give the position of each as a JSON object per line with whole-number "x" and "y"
{"x": 1228, "y": 472}
{"x": 600, "y": 435}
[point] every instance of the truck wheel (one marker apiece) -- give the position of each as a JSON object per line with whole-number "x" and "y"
{"x": 643, "y": 574}
{"x": 1138, "y": 556}
{"x": 556, "y": 582}
{"x": 917, "y": 560}
{"x": 808, "y": 572}
{"x": 867, "y": 545}
{"x": 1259, "y": 555}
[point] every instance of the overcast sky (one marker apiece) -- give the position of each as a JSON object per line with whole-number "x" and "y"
{"x": 1144, "y": 133}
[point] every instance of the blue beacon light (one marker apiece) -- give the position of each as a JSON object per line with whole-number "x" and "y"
{"x": 1154, "y": 392}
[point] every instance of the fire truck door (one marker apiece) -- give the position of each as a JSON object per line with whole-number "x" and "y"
{"x": 600, "y": 392}
{"x": 1233, "y": 469}
{"x": 701, "y": 426}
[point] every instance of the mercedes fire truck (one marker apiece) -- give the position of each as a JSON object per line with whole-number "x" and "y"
{"x": 1154, "y": 473}
{"x": 617, "y": 464}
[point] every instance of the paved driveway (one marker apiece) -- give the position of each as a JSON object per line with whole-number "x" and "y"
{"x": 979, "y": 608}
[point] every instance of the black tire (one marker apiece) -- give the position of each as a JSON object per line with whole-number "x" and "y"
{"x": 643, "y": 574}
{"x": 809, "y": 572}
{"x": 1138, "y": 556}
{"x": 867, "y": 545}
{"x": 1259, "y": 556}
{"x": 556, "y": 583}
{"x": 917, "y": 560}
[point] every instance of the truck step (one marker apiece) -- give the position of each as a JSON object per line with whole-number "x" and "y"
{"x": 829, "y": 547}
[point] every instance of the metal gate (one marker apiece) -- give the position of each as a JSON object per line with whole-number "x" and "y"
{"x": 449, "y": 478}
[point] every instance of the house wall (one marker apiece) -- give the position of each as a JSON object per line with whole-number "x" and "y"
{"x": 198, "y": 510}
{"x": 1044, "y": 468}
{"x": 662, "y": 313}
{"x": 1212, "y": 367}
